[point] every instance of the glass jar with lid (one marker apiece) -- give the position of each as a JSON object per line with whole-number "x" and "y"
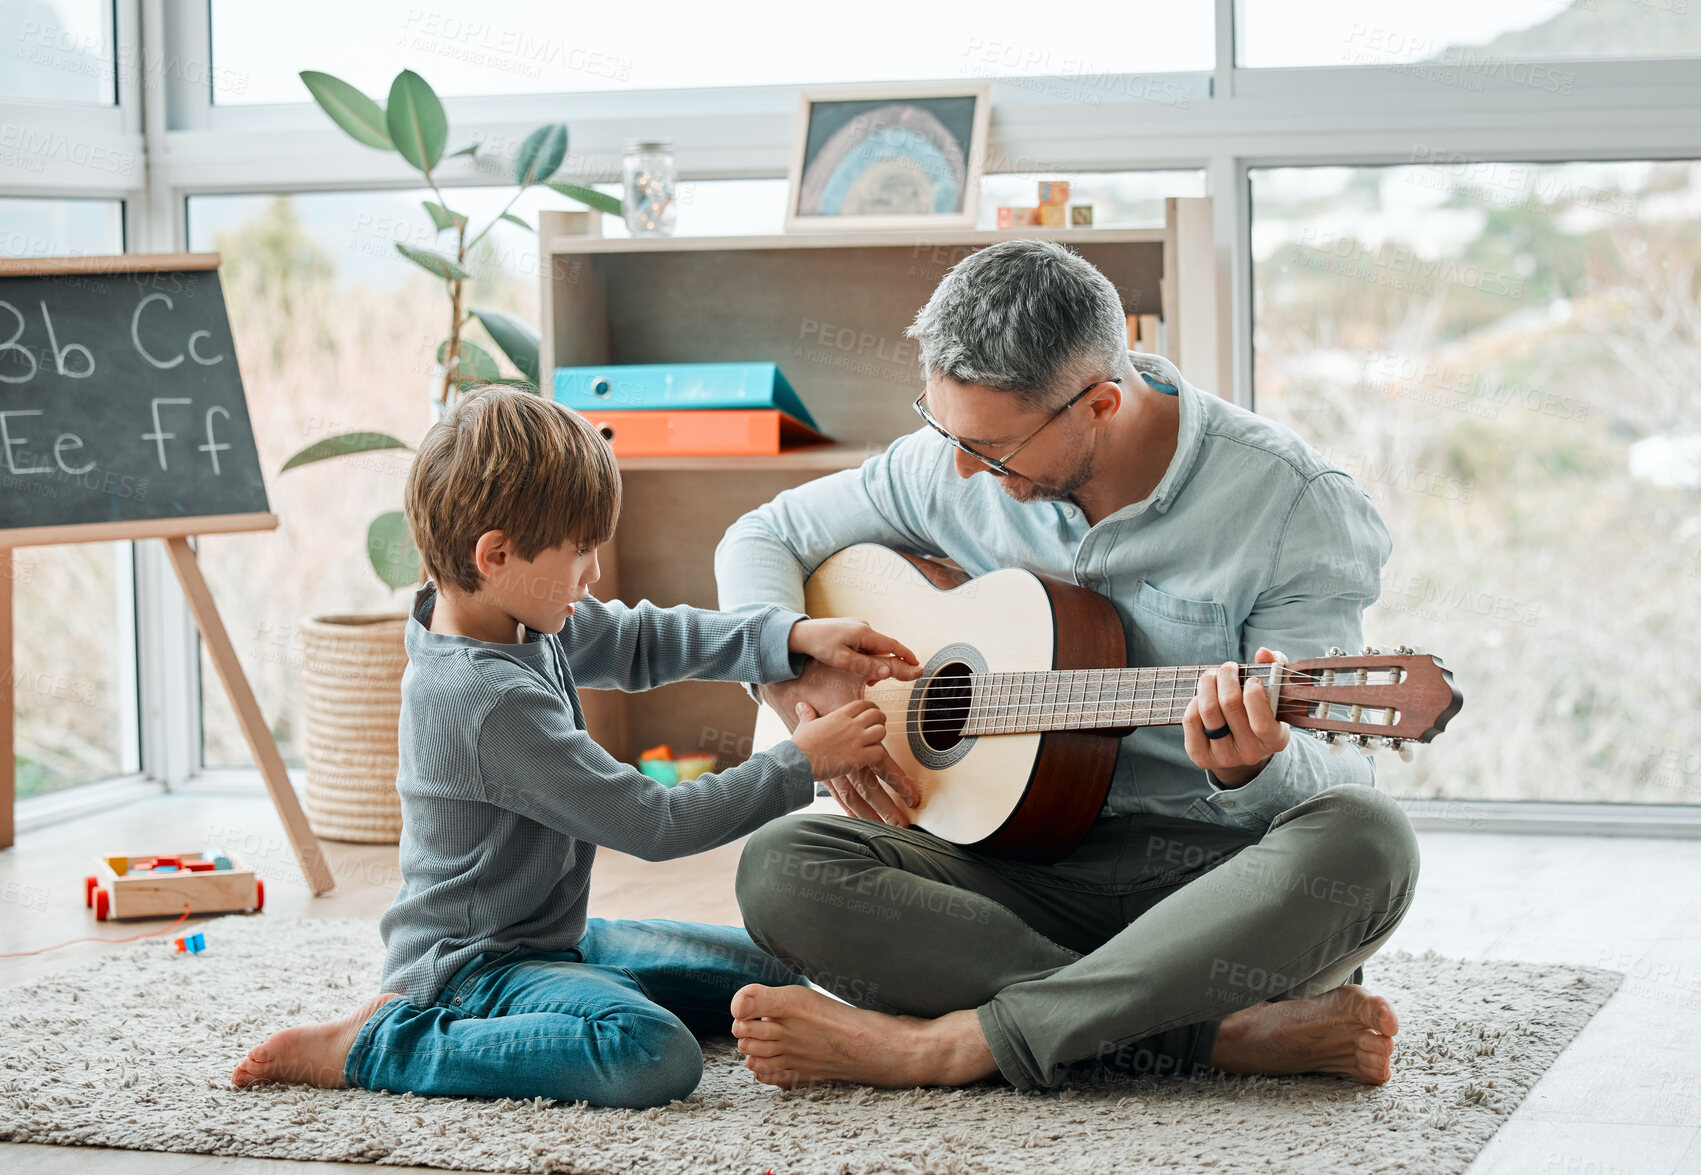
{"x": 651, "y": 180}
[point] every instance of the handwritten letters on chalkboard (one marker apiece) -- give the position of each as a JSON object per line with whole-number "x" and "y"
{"x": 120, "y": 400}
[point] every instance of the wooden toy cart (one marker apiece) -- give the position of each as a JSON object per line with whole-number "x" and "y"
{"x": 132, "y": 886}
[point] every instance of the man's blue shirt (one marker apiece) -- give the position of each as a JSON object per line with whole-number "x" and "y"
{"x": 1251, "y": 538}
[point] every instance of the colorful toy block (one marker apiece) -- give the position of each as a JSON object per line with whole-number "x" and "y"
{"x": 119, "y": 865}
{"x": 192, "y": 944}
{"x": 1054, "y": 191}
{"x": 691, "y": 766}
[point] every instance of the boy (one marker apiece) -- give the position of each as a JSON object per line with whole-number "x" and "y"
{"x": 495, "y": 982}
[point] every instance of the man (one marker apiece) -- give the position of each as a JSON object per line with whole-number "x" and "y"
{"x": 1236, "y": 878}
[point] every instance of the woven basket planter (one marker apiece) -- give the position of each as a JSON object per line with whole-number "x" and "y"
{"x": 351, "y": 686}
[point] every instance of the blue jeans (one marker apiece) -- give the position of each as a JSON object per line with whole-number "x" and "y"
{"x": 613, "y": 1021}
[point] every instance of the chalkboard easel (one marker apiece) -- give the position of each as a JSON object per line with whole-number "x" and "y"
{"x": 122, "y": 417}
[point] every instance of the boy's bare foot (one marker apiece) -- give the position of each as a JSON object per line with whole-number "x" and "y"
{"x": 1347, "y": 1032}
{"x": 793, "y": 1036}
{"x": 312, "y": 1054}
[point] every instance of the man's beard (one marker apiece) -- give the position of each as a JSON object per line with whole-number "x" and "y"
{"x": 1058, "y": 491}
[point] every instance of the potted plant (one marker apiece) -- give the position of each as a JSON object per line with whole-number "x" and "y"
{"x": 351, "y": 677}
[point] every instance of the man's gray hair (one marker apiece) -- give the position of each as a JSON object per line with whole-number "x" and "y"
{"x": 1027, "y": 317}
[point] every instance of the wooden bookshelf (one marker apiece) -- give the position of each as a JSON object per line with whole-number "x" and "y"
{"x": 831, "y": 310}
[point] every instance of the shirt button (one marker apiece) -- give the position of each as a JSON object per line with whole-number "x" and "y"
{"x": 1068, "y": 511}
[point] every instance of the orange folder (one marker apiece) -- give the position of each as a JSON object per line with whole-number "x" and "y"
{"x": 703, "y": 432}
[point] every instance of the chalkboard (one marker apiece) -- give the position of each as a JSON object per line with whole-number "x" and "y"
{"x": 120, "y": 399}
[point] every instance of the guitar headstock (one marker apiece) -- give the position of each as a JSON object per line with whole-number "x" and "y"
{"x": 1376, "y": 697}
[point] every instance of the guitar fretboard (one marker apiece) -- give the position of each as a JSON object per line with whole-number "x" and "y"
{"x": 1082, "y": 699}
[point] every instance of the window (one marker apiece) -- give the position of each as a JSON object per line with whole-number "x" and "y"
{"x": 528, "y": 46}
{"x": 1466, "y": 38}
{"x": 74, "y": 617}
{"x": 335, "y": 332}
{"x": 59, "y": 51}
{"x": 1505, "y": 357}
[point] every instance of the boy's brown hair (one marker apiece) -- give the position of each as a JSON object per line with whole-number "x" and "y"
{"x": 511, "y": 461}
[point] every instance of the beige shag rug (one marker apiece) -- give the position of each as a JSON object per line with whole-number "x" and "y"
{"x": 135, "y": 1050}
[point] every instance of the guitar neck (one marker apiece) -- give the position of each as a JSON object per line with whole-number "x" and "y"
{"x": 1088, "y": 699}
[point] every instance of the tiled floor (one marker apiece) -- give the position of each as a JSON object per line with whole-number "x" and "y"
{"x": 1624, "y": 1099}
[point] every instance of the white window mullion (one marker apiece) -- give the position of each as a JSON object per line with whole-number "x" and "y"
{"x": 1223, "y": 77}
{"x": 168, "y": 656}
{"x": 1231, "y": 232}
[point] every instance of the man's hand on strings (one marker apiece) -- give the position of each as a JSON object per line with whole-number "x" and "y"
{"x": 1243, "y": 732}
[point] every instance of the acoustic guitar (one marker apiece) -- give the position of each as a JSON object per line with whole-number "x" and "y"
{"x": 1011, "y": 733}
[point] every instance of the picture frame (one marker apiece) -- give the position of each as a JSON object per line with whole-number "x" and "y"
{"x": 888, "y": 157}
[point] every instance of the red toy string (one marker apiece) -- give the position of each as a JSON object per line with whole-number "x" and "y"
{"x": 181, "y": 918}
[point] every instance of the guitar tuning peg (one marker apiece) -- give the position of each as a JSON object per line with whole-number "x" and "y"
{"x": 1336, "y": 745}
{"x": 1405, "y": 650}
{"x": 1372, "y": 651}
{"x": 1336, "y": 652}
{"x": 1404, "y": 750}
{"x": 1368, "y": 746}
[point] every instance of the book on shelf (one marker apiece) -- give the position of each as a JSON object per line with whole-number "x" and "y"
{"x": 638, "y": 387}
{"x": 702, "y": 432}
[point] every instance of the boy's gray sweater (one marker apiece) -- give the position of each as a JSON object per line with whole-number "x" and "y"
{"x": 505, "y": 797}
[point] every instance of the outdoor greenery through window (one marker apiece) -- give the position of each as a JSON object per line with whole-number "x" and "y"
{"x": 1505, "y": 356}
{"x": 1463, "y": 43}
{"x": 74, "y": 626}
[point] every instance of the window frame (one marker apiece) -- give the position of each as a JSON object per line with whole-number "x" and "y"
{"x": 1234, "y": 119}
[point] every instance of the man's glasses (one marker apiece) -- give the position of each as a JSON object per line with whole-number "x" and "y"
{"x": 998, "y": 464}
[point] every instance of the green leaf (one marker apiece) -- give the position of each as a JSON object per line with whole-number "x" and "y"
{"x": 357, "y": 114}
{"x": 478, "y": 363}
{"x": 471, "y": 150}
{"x": 435, "y": 263}
{"x": 443, "y": 217}
{"x": 390, "y": 548}
{"x": 518, "y": 341}
{"x": 512, "y": 219}
{"x": 541, "y": 154}
{"x": 341, "y": 446}
{"x": 601, "y": 201}
{"x": 418, "y": 127}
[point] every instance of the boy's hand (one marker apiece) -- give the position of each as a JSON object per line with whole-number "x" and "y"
{"x": 840, "y": 740}
{"x": 854, "y": 647}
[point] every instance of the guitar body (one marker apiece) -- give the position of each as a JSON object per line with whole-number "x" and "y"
{"x": 1011, "y": 733}
{"x": 1029, "y": 795}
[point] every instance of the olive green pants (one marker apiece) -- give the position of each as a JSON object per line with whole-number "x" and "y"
{"x": 1122, "y": 957}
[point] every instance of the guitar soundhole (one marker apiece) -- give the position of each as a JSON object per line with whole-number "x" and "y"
{"x": 945, "y": 707}
{"x": 939, "y": 707}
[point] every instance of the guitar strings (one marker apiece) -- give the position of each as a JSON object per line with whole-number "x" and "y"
{"x": 1168, "y": 694}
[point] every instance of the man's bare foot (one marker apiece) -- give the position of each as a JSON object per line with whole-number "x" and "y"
{"x": 1347, "y": 1032}
{"x": 792, "y": 1036}
{"x": 312, "y": 1054}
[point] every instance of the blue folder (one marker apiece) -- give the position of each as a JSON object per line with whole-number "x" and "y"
{"x": 663, "y": 386}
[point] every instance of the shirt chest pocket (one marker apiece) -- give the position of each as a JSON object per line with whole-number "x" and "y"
{"x": 1174, "y": 630}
